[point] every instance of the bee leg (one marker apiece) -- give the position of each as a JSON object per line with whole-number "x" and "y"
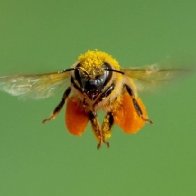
{"x": 96, "y": 128}
{"x": 136, "y": 105}
{"x": 59, "y": 106}
{"x": 106, "y": 127}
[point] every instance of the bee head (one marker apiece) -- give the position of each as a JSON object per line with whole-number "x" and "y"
{"x": 94, "y": 71}
{"x": 91, "y": 83}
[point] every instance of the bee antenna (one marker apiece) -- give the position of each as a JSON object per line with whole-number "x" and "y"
{"x": 83, "y": 70}
{"x": 66, "y": 70}
{"x": 114, "y": 70}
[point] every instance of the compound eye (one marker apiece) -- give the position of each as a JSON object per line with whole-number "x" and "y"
{"x": 78, "y": 75}
{"x": 106, "y": 66}
{"x": 107, "y": 74}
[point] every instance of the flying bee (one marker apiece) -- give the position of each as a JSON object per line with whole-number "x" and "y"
{"x": 96, "y": 82}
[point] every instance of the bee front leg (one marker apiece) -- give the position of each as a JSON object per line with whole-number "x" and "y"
{"x": 59, "y": 106}
{"x": 106, "y": 127}
{"x": 96, "y": 128}
{"x": 136, "y": 105}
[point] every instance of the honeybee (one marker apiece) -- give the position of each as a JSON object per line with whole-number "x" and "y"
{"x": 96, "y": 82}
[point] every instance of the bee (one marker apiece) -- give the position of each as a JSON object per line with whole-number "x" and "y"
{"x": 96, "y": 82}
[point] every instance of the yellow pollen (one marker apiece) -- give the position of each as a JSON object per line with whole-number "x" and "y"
{"x": 93, "y": 60}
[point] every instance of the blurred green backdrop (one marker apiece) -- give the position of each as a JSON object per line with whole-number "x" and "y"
{"x": 41, "y": 36}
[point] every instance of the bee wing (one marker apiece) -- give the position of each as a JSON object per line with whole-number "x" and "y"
{"x": 37, "y": 86}
{"x": 151, "y": 76}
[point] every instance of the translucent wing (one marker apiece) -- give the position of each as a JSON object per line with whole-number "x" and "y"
{"x": 37, "y": 86}
{"x": 151, "y": 76}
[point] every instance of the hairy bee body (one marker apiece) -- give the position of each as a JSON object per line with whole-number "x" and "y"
{"x": 96, "y": 82}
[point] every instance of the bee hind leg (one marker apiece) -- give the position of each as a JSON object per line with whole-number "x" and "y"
{"x": 96, "y": 128}
{"x": 59, "y": 106}
{"x": 106, "y": 127}
{"x": 139, "y": 111}
{"x": 136, "y": 105}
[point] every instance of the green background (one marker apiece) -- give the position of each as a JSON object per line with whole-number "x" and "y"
{"x": 41, "y": 36}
